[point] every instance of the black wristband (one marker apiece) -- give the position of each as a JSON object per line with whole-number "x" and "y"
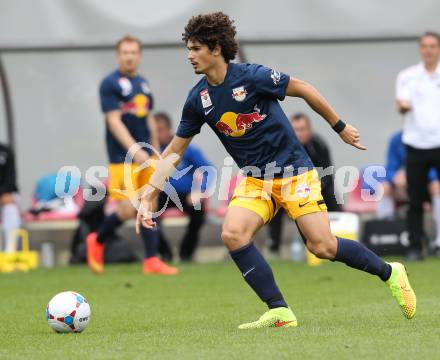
{"x": 339, "y": 126}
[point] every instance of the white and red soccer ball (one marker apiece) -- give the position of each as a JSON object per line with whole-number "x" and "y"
{"x": 68, "y": 311}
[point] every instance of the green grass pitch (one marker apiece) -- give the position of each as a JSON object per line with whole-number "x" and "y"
{"x": 343, "y": 314}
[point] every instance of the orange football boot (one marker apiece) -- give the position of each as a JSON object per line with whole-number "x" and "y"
{"x": 95, "y": 253}
{"x": 154, "y": 265}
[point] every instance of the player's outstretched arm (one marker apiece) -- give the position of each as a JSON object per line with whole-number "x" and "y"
{"x": 318, "y": 103}
{"x": 164, "y": 168}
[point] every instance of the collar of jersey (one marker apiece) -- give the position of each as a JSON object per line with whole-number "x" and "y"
{"x": 125, "y": 75}
{"x": 228, "y": 72}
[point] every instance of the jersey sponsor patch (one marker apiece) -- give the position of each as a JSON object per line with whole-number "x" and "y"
{"x": 206, "y": 100}
{"x": 125, "y": 85}
{"x": 239, "y": 93}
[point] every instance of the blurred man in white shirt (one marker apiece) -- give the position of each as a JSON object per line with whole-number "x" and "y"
{"x": 418, "y": 98}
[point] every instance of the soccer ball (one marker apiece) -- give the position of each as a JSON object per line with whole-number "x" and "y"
{"x": 68, "y": 311}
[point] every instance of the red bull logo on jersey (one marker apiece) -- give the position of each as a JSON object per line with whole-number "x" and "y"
{"x": 235, "y": 125}
{"x": 139, "y": 106}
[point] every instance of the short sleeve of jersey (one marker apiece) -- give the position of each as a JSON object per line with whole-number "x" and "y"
{"x": 190, "y": 123}
{"x": 109, "y": 96}
{"x": 269, "y": 82}
{"x": 402, "y": 87}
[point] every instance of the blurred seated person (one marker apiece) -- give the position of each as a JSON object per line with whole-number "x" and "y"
{"x": 46, "y": 198}
{"x": 394, "y": 185}
{"x": 183, "y": 186}
{"x": 319, "y": 153}
{"x": 10, "y": 212}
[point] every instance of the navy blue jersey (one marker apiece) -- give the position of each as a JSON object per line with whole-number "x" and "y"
{"x": 245, "y": 114}
{"x": 131, "y": 95}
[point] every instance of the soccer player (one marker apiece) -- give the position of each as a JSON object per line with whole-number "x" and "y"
{"x": 126, "y": 101}
{"x": 240, "y": 104}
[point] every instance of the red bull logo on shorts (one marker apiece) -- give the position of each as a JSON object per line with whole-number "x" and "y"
{"x": 235, "y": 125}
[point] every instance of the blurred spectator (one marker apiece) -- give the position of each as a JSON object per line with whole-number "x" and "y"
{"x": 46, "y": 199}
{"x": 187, "y": 195}
{"x": 394, "y": 185}
{"x": 418, "y": 98}
{"x": 319, "y": 153}
{"x": 10, "y": 212}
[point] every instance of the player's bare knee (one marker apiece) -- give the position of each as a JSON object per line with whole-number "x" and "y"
{"x": 234, "y": 239}
{"x": 315, "y": 248}
{"x": 324, "y": 247}
{"x": 229, "y": 237}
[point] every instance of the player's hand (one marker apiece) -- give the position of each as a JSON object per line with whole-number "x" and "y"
{"x": 351, "y": 136}
{"x": 141, "y": 157}
{"x": 145, "y": 215}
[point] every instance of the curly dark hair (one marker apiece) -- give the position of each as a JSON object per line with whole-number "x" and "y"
{"x": 211, "y": 30}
